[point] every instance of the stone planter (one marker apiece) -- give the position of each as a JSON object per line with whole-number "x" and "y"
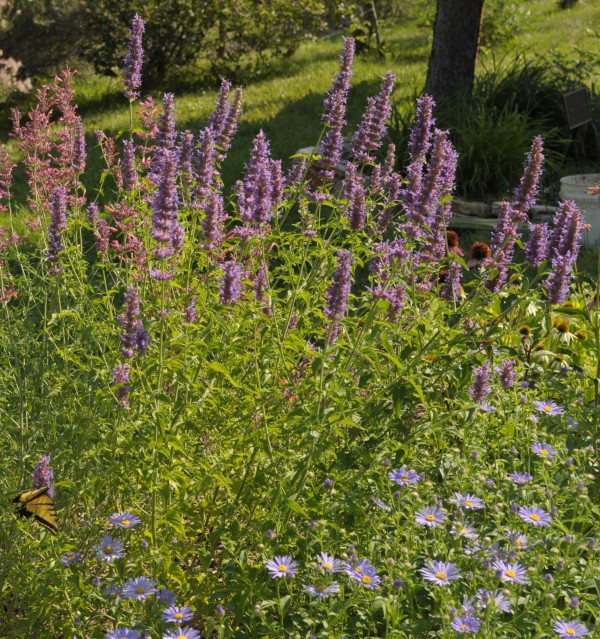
{"x": 574, "y": 187}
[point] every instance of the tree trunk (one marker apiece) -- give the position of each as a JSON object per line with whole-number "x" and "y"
{"x": 454, "y": 51}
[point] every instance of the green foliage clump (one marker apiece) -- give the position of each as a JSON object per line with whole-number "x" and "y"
{"x": 223, "y": 402}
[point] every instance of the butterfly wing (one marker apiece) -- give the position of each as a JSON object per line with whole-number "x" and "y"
{"x": 38, "y": 504}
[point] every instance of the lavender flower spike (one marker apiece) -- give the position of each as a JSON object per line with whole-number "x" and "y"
{"x": 536, "y": 249}
{"x": 43, "y": 475}
{"x": 371, "y": 130}
{"x": 451, "y": 289}
{"x": 58, "y": 224}
{"x": 230, "y": 289}
{"x": 480, "y": 389}
{"x": 355, "y": 192}
{"x": 566, "y": 231}
{"x": 167, "y": 133}
{"x": 166, "y": 229}
{"x": 420, "y": 136}
{"x": 335, "y": 111}
{"x": 255, "y": 192}
{"x": 134, "y": 338}
{"x": 212, "y": 224}
{"x": 557, "y": 284}
{"x": 132, "y": 71}
{"x": 128, "y": 171}
{"x": 526, "y": 192}
{"x": 337, "y": 294}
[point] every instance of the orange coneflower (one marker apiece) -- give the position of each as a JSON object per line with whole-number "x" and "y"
{"x": 480, "y": 253}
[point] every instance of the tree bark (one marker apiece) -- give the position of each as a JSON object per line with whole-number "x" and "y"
{"x": 454, "y": 50}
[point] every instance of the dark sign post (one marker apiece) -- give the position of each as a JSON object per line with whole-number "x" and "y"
{"x": 578, "y": 107}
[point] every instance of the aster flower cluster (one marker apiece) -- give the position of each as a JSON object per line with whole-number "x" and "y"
{"x": 360, "y": 571}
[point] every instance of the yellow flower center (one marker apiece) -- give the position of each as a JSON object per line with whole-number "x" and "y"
{"x": 441, "y": 575}
{"x": 430, "y": 517}
{"x": 519, "y": 542}
{"x": 404, "y": 477}
{"x": 534, "y": 517}
{"x": 543, "y": 451}
{"x": 282, "y": 568}
{"x": 511, "y": 573}
{"x": 125, "y": 522}
{"x": 329, "y": 566}
{"x": 464, "y": 531}
{"x": 177, "y": 615}
{"x": 463, "y": 626}
{"x": 108, "y": 549}
{"x": 366, "y": 579}
{"x": 468, "y": 502}
{"x": 548, "y": 409}
{"x": 140, "y": 590}
{"x": 570, "y": 631}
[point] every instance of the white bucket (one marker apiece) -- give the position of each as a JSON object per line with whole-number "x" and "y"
{"x": 574, "y": 187}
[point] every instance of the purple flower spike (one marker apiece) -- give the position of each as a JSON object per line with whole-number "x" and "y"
{"x": 337, "y": 294}
{"x": 507, "y": 374}
{"x": 167, "y": 231}
{"x": 230, "y": 289}
{"x": 504, "y": 236}
{"x": 526, "y": 192}
{"x": 43, "y": 475}
{"x": 355, "y": 192}
{"x": 218, "y": 118}
{"x": 224, "y": 120}
{"x": 213, "y": 222}
{"x": 557, "y": 283}
{"x": 480, "y": 389}
{"x": 132, "y": 71}
{"x": 134, "y": 339}
{"x": 255, "y": 192}
{"x": 128, "y": 171}
{"x": 58, "y": 224}
{"x": 120, "y": 377}
{"x": 335, "y": 111}
{"x": 205, "y": 166}
{"x": 185, "y": 155}
{"x": 566, "y": 231}
{"x": 536, "y": 249}
{"x": 167, "y": 133}
{"x": 451, "y": 289}
{"x": 371, "y": 130}
{"x": 420, "y": 136}
{"x": 79, "y": 153}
